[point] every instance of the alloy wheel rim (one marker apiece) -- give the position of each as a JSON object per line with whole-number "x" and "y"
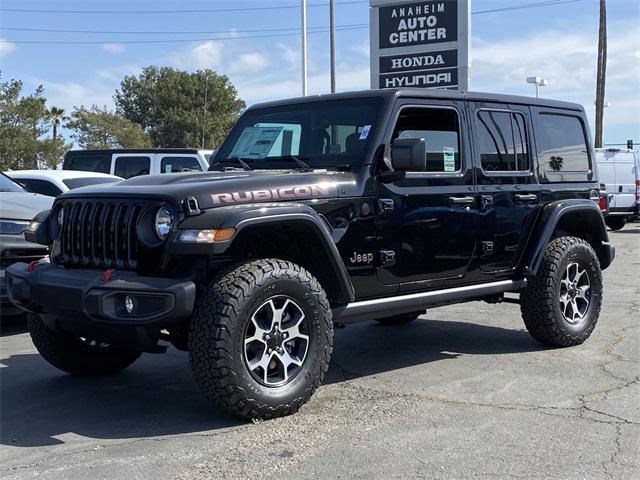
{"x": 276, "y": 341}
{"x": 575, "y": 293}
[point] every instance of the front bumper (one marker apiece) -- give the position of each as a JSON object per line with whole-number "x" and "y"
{"x": 85, "y": 297}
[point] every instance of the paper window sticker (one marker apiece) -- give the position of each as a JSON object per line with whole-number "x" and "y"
{"x": 365, "y": 132}
{"x": 167, "y": 168}
{"x": 449, "y": 157}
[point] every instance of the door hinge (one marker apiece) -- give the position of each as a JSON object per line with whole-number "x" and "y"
{"x": 386, "y": 205}
{"x": 387, "y": 258}
{"x": 486, "y": 248}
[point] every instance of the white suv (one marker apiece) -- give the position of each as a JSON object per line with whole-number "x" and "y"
{"x": 127, "y": 163}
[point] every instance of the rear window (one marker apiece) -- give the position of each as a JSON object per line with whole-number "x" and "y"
{"x": 98, "y": 162}
{"x": 502, "y": 141}
{"x": 562, "y": 147}
{"x": 179, "y": 164}
{"x": 127, "y": 167}
{"x": 72, "y": 183}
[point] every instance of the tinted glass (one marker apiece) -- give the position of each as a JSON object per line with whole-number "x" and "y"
{"x": 8, "y": 185}
{"x": 440, "y": 128}
{"x": 502, "y": 141}
{"x": 72, "y": 183}
{"x": 99, "y": 162}
{"x": 42, "y": 187}
{"x": 562, "y": 145}
{"x": 127, "y": 167}
{"x": 328, "y": 133}
{"x": 179, "y": 164}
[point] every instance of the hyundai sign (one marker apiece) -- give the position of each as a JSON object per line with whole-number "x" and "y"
{"x": 421, "y": 44}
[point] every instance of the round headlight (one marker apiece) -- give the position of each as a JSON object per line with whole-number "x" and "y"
{"x": 164, "y": 221}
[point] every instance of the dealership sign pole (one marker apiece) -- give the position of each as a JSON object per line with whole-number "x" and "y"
{"x": 421, "y": 44}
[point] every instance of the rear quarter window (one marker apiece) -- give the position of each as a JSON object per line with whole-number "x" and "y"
{"x": 563, "y": 152}
{"x": 87, "y": 162}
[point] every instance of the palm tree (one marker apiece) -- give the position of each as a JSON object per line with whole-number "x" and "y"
{"x": 57, "y": 116}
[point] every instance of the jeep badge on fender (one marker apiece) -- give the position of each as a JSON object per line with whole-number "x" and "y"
{"x": 249, "y": 266}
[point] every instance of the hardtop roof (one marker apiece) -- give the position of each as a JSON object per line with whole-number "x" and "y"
{"x": 427, "y": 93}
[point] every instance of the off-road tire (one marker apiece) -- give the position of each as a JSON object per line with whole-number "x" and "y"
{"x": 540, "y": 300}
{"x": 217, "y": 331}
{"x": 75, "y": 356}
{"x": 399, "y": 319}
{"x": 615, "y": 223}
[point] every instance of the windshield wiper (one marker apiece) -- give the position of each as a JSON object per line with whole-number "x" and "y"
{"x": 292, "y": 158}
{"x": 243, "y": 164}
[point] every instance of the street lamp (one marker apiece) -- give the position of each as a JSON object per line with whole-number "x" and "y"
{"x": 539, "y": 82}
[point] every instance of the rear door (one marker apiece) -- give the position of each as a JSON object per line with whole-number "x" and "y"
{"x": 509, "y": 193}
{"x": 625, "y": 173}
{"x": 127, "y": 165}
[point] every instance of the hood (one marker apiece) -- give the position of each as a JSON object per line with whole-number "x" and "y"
{"x": 23, "y": 205}
{"x": 213, "y": 189}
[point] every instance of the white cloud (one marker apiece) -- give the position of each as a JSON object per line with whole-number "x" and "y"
{"x": 70, "y": 94}
{"x": 6, "y": 47}
{"x": 567, "y": 58}
{"x": 249, "y": 62}
{"x": 204, "y": 55}
{"x": 113, "y": 47}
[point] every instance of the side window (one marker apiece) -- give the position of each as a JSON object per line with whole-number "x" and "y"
{"x": 179, "y": 164}
{"x": 40, "y": 186}
{"x": 502, "y": 141}
{"x": 88, "y": 162}
{"x": 440, "y": 129}
{"x": 562, "y": 145}
{"x": 127, "y": 167}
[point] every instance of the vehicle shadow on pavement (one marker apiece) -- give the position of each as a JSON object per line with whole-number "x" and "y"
{"x": 158, "y": 395}
{"x": 12, "y": 325}
{"x": 370, "y": 348}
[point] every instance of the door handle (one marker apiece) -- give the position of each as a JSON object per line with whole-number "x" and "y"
{"x": 461, "y": 201}
{"x": 526, "y": 197}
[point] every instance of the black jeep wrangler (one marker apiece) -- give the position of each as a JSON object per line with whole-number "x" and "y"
{"x": 320, "y": 211}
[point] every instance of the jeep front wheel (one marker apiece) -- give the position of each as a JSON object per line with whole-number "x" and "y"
{"x": 261, "y": 338}
{"x": 561, "y": 304}
{"x": 76, "y": 355}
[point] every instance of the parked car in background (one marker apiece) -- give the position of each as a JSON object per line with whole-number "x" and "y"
{"x": 619, "y": 170}
{"x": 54, "y": 182}
{"x": 17, "y": 208}
{"x": 127, "y": 163}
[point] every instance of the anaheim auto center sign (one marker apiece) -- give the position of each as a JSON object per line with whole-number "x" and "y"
{"x": 422, "y": 44}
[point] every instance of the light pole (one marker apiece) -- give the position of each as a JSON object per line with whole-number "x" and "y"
{"x": 332, "y": 45}
{"x": 539, "y": 82}
{"x": 303, "y": 15}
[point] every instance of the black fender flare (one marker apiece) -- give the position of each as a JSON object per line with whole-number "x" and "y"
{"x": 244, "y": 217}
{"x": 575, "y": 216}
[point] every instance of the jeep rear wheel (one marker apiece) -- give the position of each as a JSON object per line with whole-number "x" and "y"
{"x": 561, "y": 304}
{"x": 261, "y": 338}
{"x": 76, "y": 355}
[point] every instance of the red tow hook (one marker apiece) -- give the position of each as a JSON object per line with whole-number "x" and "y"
{"x": 32, "y": 266}
{"x": 106, "y": 276}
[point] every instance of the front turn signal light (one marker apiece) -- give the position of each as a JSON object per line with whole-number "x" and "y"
{"x": 206, "y": 236}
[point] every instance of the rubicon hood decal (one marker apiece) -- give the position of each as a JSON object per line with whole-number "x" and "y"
{"x": 325, "y": 189}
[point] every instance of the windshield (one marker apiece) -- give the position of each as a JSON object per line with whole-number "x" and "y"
{"x": 322, "y": 134}
{"x": 8, "y": 185}
{"x": 72, "y": 183}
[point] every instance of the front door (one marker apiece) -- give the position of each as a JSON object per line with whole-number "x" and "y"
{"x": 508, "y": 189}
{"x": 427, "y": 220}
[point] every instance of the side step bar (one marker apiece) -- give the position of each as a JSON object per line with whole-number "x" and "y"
{"x": 389, "y": 306}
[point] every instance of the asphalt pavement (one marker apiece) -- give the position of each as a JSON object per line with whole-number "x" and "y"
{"x": 462, "y": 393}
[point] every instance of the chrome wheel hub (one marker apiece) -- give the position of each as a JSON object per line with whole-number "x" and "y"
{"x": 575, "y": 294}
{"x": 276, "y": 341}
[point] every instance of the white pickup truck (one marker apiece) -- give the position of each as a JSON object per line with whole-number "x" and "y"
{"x": 620, "y": 171}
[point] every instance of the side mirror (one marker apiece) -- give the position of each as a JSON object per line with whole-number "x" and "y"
{"x": 409, "y": 154}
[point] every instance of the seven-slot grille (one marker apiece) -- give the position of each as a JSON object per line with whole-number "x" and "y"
{"x": 100, "y": 232}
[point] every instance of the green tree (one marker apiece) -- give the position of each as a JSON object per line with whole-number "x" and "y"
{"x": 24, "y": 122}
{"x": 97, "y": 127}
{"x": 170, "y": 105}
{"x": 56, "y": 114}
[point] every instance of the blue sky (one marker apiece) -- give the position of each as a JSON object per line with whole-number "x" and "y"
{"x": 557, "y": 42}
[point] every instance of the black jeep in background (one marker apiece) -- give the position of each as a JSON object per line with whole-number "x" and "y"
{"x": 323, "y": 210}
